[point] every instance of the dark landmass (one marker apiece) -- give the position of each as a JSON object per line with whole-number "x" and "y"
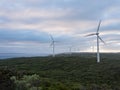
{"x": 78, "y": 70}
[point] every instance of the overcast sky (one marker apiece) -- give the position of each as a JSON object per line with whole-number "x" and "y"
{"x": 26, "y": 25}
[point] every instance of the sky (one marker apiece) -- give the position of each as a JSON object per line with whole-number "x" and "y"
{"x": 26, "y": 25}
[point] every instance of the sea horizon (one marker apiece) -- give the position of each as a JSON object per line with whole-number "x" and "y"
{"x": 17, "y": 55}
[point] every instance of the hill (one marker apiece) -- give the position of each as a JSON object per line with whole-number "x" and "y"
{"x": 77, "y": 68}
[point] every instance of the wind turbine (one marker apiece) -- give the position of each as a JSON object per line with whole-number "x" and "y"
{"x": 53, "y": 45}
{"x": 70, "y": 50}
{"x": 92, "y": 46}
{"x": 92, "y": 49}
{"x": 98, "y": 38}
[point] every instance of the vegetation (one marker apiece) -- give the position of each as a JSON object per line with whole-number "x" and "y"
{"x": 34, "y": 82}
{"x": 5, "y": 82}
{"x": 64, "y": 72}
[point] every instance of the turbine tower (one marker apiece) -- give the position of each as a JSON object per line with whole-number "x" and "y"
{"x": 70, "y": 50}
{"x": 53, "y": 45}
{"x": 98, "y": 38}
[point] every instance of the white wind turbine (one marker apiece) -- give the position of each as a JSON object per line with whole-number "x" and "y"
{"x": 70, "y": 50}
{"x": 92, "y": 46}
{"x": 98, "y": 38}
{"x": 53, "y": 45}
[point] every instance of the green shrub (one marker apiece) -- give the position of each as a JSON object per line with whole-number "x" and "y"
{"x": 5, "y": 82}
{"x": 27, "y": 82}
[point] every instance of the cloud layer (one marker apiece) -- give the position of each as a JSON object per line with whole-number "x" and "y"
{"x": 25, "y": 25}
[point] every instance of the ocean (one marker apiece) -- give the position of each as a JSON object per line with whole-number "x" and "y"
{"x": 16, "y": 55}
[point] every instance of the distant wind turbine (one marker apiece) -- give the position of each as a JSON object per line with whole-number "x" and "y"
{"x": 92, "y": 46}
{"x": 53, "y": 45}
{"x": 92, "y": 49}
{"x": 98, "y": 38}
{"x": 70, "y": 50}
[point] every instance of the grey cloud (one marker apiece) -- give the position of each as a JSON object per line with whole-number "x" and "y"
{"x": 23, "y": 35}
{"x": 110, "y": 27}
{"x": 79, "y": 10}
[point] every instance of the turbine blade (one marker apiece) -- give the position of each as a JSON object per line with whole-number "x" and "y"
{"x": 90, "y": 34}
{"x": 52, "y": 44}
{"x": 101, "y": 39}
{"x": 51, "y": 37}
{"x": 98, "y": 26}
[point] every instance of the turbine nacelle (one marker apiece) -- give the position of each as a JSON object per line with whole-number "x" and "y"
{"x": 97, "y": 34}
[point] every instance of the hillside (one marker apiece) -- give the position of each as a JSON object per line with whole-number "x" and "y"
{"x": 73, "y": 69}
